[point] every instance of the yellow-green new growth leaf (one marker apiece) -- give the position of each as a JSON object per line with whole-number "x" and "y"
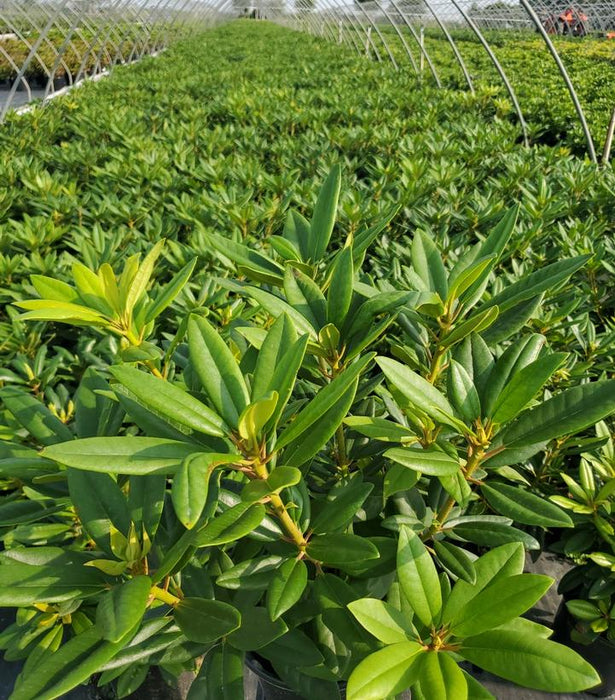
{"x": 255, "y": 416}
{"x": 139, "y": 283}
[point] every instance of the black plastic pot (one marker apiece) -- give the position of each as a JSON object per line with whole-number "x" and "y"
{"x": 270, "y": 687}
{"x": 600, "y": 653}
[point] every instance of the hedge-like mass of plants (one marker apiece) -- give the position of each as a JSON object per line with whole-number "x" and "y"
{"x": 298, "y": 357}
{"x": 540, "y": 89}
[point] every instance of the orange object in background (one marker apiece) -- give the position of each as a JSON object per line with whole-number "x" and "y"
{"x": 610, "y": 35}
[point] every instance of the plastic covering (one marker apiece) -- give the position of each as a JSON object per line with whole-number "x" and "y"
{"x": 48, "y": 45}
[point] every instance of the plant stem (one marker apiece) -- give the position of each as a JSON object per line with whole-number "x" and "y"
{"x": 164, "y": 596}
{"x": 340, "y": 439}
{"x": 474, "y": 460}
{"x": 280, "y": 510}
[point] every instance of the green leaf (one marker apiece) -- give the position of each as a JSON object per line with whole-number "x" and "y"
{"x": 382, "y": 620}
{"x": 250, "y": 574}
{"x": 487, "y": 533}
{"x": 191, "y": 485}
{"x": 475, "y": 324}
{"x": 418, "y": 577}
{"x": 399, "y": 478}
{"x": 304, "y": 295}
{"x": 61, "y": 671}
{"x": 235, "y": 523}
{"x": 544, "y": 279}
{"x": 379, "y": 429}
{"x": 428, "y": 265}
{"x": 170, "y": 291}
{"x": 340, "y": 549}
{"x": 121, "y": 455}
{"x": 386, "y": 672}
{"x": 255, "y": 416}
{"x": 428, "y": 460}
{"x": 34, "y": 416}
{"x": 96, "y": 414}
{"x": 517, "y": 356}
{"x": 257, "y": 630}
{"x": 91, "y": 289}
{"x": 50, "y": 288}
{"x": 323, "y": 218}
{"x": 280, "y": 337}
{"x": 280, "y": 478}
{"x": 441, "y": 678}
{"x": 462, "y": 392}
{"x": 276, "y": 307}
{"x": 49, "y": 310}
{"x": 220, "y": 676}
{"x": 122, "y": 608}
{"x": 530, "y": 661}
{"x": 169, "y": 401}
{"x": 140, "y": 282}
{"x": 524, "y": 385}
{"x": 217, "y": 370}
{"x": 569, "y": 412}
{"x": 286, "y": 588}
{"x": 324, "y": 400}
{"x": 501, "y": 562}
{"x": 473, "y": 274}
{"x": 419, "y": 392}
{"x": 293, "y": 648}
{"x": 100, "y": 503}
{"x": 455, "y": 560}
{"x": 523, "y": 506}
{"x": 499, "y": 603}
{"x": 339, "y": 294}
{"x": 23, "y": 584}
{"x": 583, "y": 610}
{"x": 204, "y": 621}
{"x": 341, "y": 506}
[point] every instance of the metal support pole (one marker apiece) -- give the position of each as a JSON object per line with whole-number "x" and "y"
{"x": 564, "y": 73}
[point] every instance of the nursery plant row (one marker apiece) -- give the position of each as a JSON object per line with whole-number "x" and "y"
{"x": 299, "y": 358}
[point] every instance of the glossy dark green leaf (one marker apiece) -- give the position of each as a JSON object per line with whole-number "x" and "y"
{"x": 280, "y": 337}
{"x": 462, "y": 393}
{"x": 73, "y": 663}
{"x": 523, "y": 506}
{"x": 524, "y": 385}
{"x": 340, "y": 549}
{"x": 419, "y": 392}
{"x": 287, "y": 586}
{"x": 121, "y": 455}
{"x": 492, "y": 534}
{"x": 456, "y": 560}
{"x": 235, "y": 523}
{"x": 323, "y": 218}
{"x": 251, "y": 574}
{"x": 169, "y": 401}
{"x": 324, "y": 400}
{"x": 217, "y": 370}
{"x": 257, "y": 630}
{"x": 428, "y": 265}
{"x": 568, "y": 412}
{"x": 191, "y": 485}
{"x": 341, "y": 506}
{"x": 34, "y": 416}
{"x": 170, "y": 291}
{"x": 339, "y": 294}
{"x": 100, "y": 503}
{"x": 425, "y": 461}
{"x": 204, "y": 621}
{"x": 220, "y": 676}
{"x": 305, "y": 296}
{"x": 122, "y": 608}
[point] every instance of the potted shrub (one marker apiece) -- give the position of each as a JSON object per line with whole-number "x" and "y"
{"x": 306, "y": 482}
{"x": 586, "y": 618}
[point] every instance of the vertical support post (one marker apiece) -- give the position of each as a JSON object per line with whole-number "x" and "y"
{"x": 422, "y": 37}
{"x": 564, "y": 73}
{"x": 368, "y": 40}
{"x": 608, "y": 144}
{"x": 340, "y": 35}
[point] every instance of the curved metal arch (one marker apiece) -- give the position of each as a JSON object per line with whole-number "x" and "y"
{"x": 400, "y": 35}
{"x": 498, "y": 66}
